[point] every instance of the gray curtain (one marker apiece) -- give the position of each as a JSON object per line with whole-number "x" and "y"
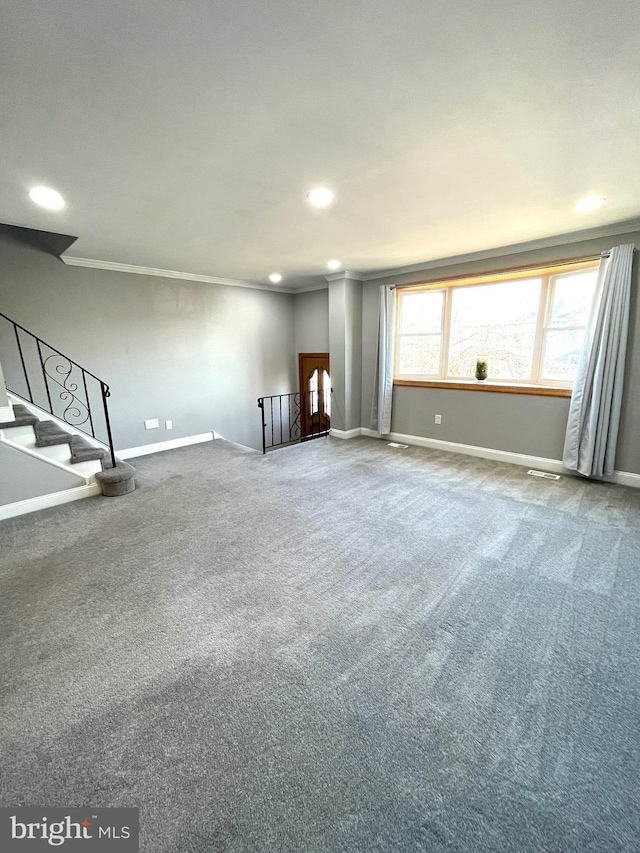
{"x": 594, "y": 413}
{"x": 383, "y": 387}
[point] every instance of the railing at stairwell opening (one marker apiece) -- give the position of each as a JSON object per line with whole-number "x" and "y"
{"x": 289, "y": 419}
{"x": 40, "y": 374}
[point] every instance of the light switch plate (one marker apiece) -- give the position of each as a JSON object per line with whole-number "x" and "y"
{"x": 151, "y": 424}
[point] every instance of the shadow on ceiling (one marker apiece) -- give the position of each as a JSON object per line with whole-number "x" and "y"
{"x": 45, "y": 241}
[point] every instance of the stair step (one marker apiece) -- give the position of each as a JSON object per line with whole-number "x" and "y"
{"x": 82, "y": 451}
{"x": 49, "y": 433}
{"x": 19, "y": 434}
{"x": 21, "y": 417}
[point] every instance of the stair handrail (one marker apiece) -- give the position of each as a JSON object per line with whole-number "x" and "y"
{"x": 104, "y": 388}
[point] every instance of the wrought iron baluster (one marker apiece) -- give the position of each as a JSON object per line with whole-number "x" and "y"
{"x": 44, "y": 376}
{"x": 24, "y": 367}
{"x": 271, "y": 421}
{"x": 299, "y": 409}
{"x": 106, "y": 393}
{"x": 86, "y": 394}
{"x": 58, "y": 368}
{"x": 264, "y": 438}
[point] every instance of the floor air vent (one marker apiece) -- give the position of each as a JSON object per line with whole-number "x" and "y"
{"x": 544, "y": 474}
{"x": 395, "y": 444}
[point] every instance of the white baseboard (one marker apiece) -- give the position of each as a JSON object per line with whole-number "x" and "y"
{"x": 554, "y": 466}
{"x": 146, "y": 449}
{"x": 370, "y": 433}
{"x": 349, "y": 433}
{"x": 6, "y": 414}
{"x": 46, "y": 501}
{"x": 624, "y": 478}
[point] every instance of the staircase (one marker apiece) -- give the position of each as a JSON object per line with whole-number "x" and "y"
{"x": 47, "y": 439}
{"x": 58, "y": 435}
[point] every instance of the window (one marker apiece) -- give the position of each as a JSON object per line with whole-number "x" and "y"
{"x": 326, "y": 392}
{"x": 528, "y": 324}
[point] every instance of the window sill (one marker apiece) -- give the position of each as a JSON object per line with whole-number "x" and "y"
{"x": 500, "y": 387}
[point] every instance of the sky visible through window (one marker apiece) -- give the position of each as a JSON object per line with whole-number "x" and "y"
{"x": 504, "y": 322}
{"x": 497, "y": 321}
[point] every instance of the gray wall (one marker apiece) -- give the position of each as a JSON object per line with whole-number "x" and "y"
{"x": 345, "y": 349}
{"x": 513, "y": 422}
{"x": 197, "y": 354}
{"x": 25, "y": 477}
{"x": 311, "y": 322}
{"x": 4, "y": 400}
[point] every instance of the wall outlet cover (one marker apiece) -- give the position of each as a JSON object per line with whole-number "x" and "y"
{"x": 438, "y": 419}
{"x": 168, "y": 424}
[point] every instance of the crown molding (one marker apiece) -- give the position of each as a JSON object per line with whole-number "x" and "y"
{"x": 338, "y": 276}
{"x": 310, "y": 288}
{"x": 515, "y": 248}
{"x": 93, "y": 264}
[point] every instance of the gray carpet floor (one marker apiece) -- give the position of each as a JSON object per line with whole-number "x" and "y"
{"x": 336, "y": 647}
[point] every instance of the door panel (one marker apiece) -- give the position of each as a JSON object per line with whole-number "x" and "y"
{"x": 315, "y": 393}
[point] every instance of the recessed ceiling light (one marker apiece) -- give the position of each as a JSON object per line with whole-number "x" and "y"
{"x": 591, "y": 202}
{"x": 320, "y": 197}
{"x": 275, "y": 277}
{"x": 334, "y": 265}
{"x": 46, "y": 197}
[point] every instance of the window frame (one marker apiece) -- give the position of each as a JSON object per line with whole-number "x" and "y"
{"x": 536, "y": 383}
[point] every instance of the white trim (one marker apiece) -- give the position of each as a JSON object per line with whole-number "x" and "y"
{"x": 513, "y": 249}
{"x": 625, "y": 478}
{"x": 92, "y": 263}
{"x": 6, "y": 414}
{"x": 146, "y": 449}
{"x": 554, "y": 466}
{"x": 337, "y": 276}
{"x": 371, "y": 433}
{"x": 46, "y": 501}
{"x": 33, "y": 452}
{"x": 341, "y": 433}
{"x": 310, "y": 287}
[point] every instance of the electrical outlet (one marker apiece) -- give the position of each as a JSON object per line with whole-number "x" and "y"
{"x": 438, "y": 419}
{"x": 168, "y": 424}
{"x": 151, "y": 424}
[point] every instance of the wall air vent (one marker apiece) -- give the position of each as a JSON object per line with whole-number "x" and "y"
{"x": 545, "y": 474}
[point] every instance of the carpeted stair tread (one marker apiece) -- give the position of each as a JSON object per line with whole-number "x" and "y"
{"x": 82, "y": 451}
{"x": 49, "y": 433}
{"x": 21, "y": 417}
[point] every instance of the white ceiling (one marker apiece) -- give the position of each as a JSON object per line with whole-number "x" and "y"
{"x": 184, "y": 135}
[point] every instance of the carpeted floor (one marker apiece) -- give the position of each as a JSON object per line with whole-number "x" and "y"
{"x": 337, "y": 647}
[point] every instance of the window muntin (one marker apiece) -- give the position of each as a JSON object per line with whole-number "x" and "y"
{"x": 530, "y": 327}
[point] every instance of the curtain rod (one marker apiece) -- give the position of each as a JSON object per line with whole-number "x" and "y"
{"x": 562, "y": 263}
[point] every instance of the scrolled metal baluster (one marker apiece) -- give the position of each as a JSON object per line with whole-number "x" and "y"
{"x": 296, "y": 429}
{"x": 76, "y": 412}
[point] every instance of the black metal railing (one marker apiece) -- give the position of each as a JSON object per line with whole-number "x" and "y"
{"x": 43, "y": 376}
{"x": 291, "y": 418}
